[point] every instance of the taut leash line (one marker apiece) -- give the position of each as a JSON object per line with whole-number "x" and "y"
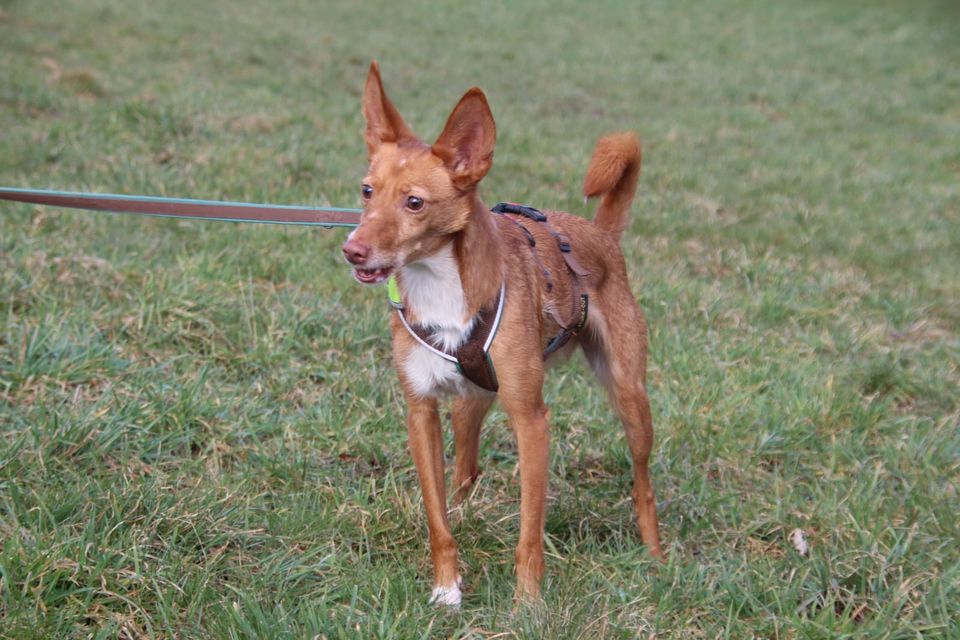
{"x": 185, "y": 208}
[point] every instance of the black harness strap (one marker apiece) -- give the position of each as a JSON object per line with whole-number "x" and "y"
{"x": 581, "y": 301}
{"x": 536, "y": 256}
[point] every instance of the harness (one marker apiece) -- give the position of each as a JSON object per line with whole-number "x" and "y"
{"x": 580, "y": 300}
{"x": 472, "y": 358}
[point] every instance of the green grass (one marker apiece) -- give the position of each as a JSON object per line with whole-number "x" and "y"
{"x": 200, "y": 435}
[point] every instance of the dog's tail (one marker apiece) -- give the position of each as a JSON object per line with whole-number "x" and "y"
{"x": 613, "y": 173}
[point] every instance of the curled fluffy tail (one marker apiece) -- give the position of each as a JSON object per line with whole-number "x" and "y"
{"x": 613, "y": 173}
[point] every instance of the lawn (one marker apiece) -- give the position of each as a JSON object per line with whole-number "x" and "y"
{"x": 200, "y": 432}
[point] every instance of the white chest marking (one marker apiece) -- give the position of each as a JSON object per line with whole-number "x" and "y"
{"x": 434, "y": 293}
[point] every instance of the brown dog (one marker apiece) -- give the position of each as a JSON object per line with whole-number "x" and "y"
{"x": 485, "y": 299}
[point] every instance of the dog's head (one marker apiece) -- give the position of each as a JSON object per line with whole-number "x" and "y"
{"x": 415, "y": 195}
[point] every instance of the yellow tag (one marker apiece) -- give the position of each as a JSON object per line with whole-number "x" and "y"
{"x": 393, "y": 292}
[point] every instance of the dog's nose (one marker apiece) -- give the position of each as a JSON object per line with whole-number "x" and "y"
{"x": 355, "y": 252}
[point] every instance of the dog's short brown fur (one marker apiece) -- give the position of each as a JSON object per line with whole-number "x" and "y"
{"x": 424, "y": 222}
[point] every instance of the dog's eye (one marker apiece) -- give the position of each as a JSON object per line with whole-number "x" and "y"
{"x": 366, "y": 192}
{"x": 414, "y": 203}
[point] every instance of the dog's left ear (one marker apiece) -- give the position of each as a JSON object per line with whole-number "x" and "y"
{"x": 466, "y": 144}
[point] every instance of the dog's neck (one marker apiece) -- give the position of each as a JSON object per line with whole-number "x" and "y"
{"x": 479, "y": 254}
{"x": 447, "y": 289}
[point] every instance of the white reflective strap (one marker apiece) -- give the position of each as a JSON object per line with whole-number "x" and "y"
{"x": 446, "y": 356}
{"x": 496, "y": 318}
{"x": 429, "y": 347}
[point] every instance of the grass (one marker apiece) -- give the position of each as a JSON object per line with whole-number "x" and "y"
{"x": 201, "y": 436}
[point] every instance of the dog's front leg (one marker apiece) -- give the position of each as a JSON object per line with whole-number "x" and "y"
{"x": 426, "y": 444}
{"x": 529, "y": 418}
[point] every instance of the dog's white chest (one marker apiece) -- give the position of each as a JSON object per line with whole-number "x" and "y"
{"x": 433, "y": 290}
{"x": 431, "y": 375}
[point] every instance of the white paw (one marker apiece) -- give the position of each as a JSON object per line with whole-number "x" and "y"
{"x": 449, "y": 596}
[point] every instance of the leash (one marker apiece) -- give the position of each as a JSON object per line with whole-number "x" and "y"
{"x": 184, "y": 208}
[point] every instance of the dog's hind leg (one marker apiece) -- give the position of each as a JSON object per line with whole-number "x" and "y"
{"x": 617, "y": 353}
{"x": 468, "y": 415}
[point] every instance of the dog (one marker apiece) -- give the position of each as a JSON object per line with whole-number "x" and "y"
{"x": 484, "y": 299}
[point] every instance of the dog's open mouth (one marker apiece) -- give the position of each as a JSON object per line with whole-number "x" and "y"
{"x": 372, "y": 276}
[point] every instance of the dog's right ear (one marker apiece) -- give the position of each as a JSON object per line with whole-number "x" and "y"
{"x": 384, "y": 122}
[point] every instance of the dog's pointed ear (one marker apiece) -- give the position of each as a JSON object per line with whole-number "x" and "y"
{"x": 466, "y": 144}
{"x": 384, "y": 122}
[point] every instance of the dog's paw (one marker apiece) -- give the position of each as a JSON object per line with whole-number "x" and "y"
{"x": 449, "y": 596}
